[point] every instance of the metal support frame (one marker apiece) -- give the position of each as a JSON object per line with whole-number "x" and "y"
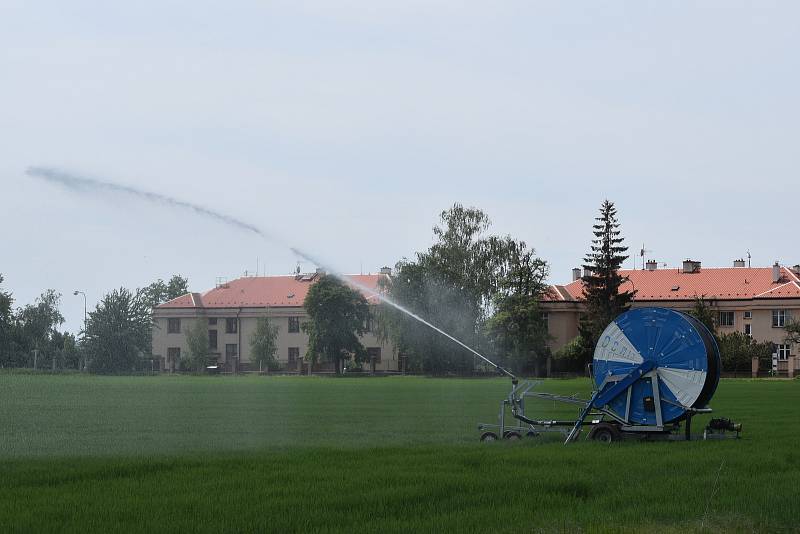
{"x": 653, "y": 376}
{"x": 515, "y": 402}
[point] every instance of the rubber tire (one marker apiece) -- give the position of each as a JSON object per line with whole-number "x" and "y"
{"x": 605, "y": 433}
{"x": 488, "y": 436}
{"x": 512, "y": 436}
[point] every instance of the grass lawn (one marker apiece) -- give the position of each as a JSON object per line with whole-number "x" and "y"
{"x": 82, "y": 453}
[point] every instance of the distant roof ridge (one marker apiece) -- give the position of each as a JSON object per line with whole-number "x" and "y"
{"x": 720, "y": 283}
{"x": 266, "y": 291}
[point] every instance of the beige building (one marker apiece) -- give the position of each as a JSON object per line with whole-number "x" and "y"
{"x": 756, "y": 301}
{"x": 231, "y": 311}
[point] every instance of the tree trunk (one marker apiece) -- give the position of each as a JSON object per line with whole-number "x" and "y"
{"x": 549, "y": 364}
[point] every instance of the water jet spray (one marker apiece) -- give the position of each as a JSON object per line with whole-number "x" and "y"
{"x": 81, "y": 184}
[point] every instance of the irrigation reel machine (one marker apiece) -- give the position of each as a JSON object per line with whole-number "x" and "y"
{"x": 653, "y": 369}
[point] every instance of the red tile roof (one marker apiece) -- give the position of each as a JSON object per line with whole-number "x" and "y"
{"x": 730, "y": 283}
{"x": 262, "y": 291}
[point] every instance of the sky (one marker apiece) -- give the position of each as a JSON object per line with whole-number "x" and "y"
{"x": 345, "y": 128}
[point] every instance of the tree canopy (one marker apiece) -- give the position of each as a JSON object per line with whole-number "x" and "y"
{"x": 703, "y": 313}
{"x": 458, "y": 284}
{"x": 33, "y": 327}
{"x": 264, "y": 343}
{"x": 160, "y": 292}
{"x": 197, "y": 342}
{"x": 792, "y": 330}
{"x": 337, "y": 315}
{"x": 6, "y": 322}
{"x": 737, "y": 351}
{"x": 517, "y": 328}
{"x": 118, "y": 331}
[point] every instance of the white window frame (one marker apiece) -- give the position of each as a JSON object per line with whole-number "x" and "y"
{"x": 748, "y": 329}
{"x": 779, "y": 318}
{"x": 730, "y": 314}
{"x": 783, "y": 352}
{"x": 748, "y": 314}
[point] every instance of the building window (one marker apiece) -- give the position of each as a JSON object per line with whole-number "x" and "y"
{"x": 212, "y": 321}
{"x": 231, "y": 326}
{"x": 294, "y": 354}
{"x": 783, "y": 352}
{"x": 778, "y": 318}
{"x": 374, "y": 354}
{"x": 173, "y": 326}
{"x": 231, "y": 351}
{"x": 368, "y": 324}
{"x": 546, "y": 321}
{"x": 294, "y": 325}
{"x": 748, "y": 315}
{"x": 212, "y": 339}
{"x": 173, "y": 354}
{"x": 748, "y": 330}
{"x": 726, "y": 318}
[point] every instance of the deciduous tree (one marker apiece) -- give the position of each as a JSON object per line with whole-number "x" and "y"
{"x": 118, "y": 332}
{"x": 264, "y": 343}
{"x": 197, "y": 342}
{"x": 517, "y": 327}
{"x": 793, "y": 331}
{"x": 34, "y": 327}
{"x": 6, "y": 322}
{"x": 737, "y": 351}
{"x": 160, "y": 292}
{"x": 337, "y": 315}
{"x": 455, "y": 284}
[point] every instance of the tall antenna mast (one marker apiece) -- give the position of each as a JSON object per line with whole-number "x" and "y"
{"x": 642, "y": 253}
{"x": 748, "y": 258}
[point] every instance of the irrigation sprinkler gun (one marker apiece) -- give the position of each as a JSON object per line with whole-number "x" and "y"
{"x": 653, "y": 369}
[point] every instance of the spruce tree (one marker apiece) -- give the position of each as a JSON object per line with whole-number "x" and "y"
{"x": 602, "y": 283}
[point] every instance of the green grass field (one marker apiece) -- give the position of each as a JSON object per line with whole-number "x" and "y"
{"x": 144, "y": 454}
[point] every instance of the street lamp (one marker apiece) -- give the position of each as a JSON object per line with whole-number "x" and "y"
{"x": 76, "y": 293}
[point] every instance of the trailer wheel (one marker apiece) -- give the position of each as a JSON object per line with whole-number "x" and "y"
{"x": 512, "y": 436}
{"x": 532, "y": 434}
{"x": 605, "y": 433}
{"x": 488, "y": 436}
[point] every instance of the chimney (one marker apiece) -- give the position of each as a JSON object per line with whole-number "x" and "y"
{"x": 691, "y": 266}
{"x": 587, "y": 272}
{"x": 576, "y": 274}
{"x": 386, "y": 271}
{"x": 796, "y": 269}
{"x": 738, "y": 263}
{"x": 776, "y": 272}
{"x": 651, "y": 265}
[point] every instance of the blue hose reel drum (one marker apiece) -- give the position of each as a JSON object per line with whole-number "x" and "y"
{"x": 685, "y": 354}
